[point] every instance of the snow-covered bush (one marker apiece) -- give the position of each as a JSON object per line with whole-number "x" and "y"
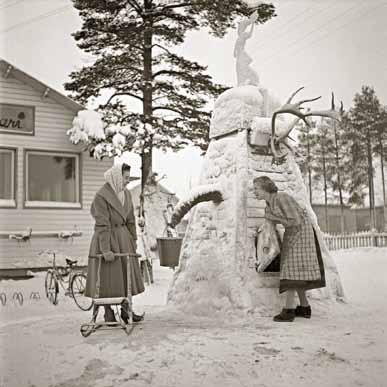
{"x": 89, "y": 129}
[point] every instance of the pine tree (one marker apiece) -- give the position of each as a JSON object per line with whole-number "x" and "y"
{"x": 381, "y": 150}
{"x": 381, "y": 147}
{"x": 355, "y": 165}
{"x": 364, "y": 121}
{"x": 305, "y": 149}
{"x": 340, "y": 179}
{"x": 132, "y": 42}
{"x": 324, "y": 168}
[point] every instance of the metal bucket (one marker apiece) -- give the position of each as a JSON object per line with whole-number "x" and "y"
{"x": 169, "y": 251}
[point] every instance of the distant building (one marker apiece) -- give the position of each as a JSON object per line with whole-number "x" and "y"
{"x": 156, "y": 200}
{"x": 355, "y": 219}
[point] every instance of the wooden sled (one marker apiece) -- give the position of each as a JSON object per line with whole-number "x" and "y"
{"x": 88, "y": 328}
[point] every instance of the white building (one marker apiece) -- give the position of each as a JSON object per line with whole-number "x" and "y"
{"x": 46, "y": 182}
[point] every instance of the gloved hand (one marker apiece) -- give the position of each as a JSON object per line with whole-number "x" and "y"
{"x": 108, "y": 256}
{"x": 141, "y": 222}
{"x": 170, "y": 230}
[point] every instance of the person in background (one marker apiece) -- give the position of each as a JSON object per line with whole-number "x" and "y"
{"x": 114, "y": 232}
{"x": 301, "y": 266}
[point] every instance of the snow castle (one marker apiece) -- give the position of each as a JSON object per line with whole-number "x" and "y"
{"x": 217, "y": 261}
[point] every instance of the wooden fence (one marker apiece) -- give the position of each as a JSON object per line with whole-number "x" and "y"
{"x": 359, "y": 239}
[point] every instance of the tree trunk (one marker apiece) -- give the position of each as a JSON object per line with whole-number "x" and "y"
{"x": 383, "y": 180}
{"x": 371, "y": 182}
{"x": 146, "y": 157}
{"x": 325, "y": 189}
{"x": 342, "y": 224}
{"x": 309, "y": 170}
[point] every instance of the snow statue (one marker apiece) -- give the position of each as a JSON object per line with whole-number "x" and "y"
{"x": 246, "y": 75}
{"x": 217, "y": 271}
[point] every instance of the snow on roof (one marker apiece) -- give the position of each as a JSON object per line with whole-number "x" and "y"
{"x": 9, "y": 69}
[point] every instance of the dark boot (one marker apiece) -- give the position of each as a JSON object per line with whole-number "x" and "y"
{"x": 109, "y": 315}
{"x": 125, "y": 316}
{"x": 125, "y": 312}
{"x": 285, "y": 315}
{"x": 304, "y": 311}
{"x": 137, "y": 317}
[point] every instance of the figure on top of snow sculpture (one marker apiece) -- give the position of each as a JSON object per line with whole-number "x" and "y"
{"x": 246, "y": 75}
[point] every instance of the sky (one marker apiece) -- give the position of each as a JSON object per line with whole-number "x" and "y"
{"x": 330, "y": 45}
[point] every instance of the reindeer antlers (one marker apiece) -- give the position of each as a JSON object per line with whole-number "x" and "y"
{"x": 295, "y": 109}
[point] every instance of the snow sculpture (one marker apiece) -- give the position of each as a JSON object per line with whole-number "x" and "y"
{"x": 217, "y": 261}
{"x": 246, "y": 75}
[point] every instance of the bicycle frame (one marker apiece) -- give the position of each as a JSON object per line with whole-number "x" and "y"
{"x": 58, "y": 274}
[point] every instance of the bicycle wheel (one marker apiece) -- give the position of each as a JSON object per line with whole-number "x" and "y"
{"x": 52, "y": 288}
{"x": 78, "y": 287}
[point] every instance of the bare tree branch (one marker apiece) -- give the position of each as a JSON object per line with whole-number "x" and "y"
{"x": 167, "y": 72}
{"x": 178, "y": 5}
{"x": 118, "y": 94}
{"x": 163, "y": 48}
{"x": 136, "y": 6}
{"x": 171, "y": 110}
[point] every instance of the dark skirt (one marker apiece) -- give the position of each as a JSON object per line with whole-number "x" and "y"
{"x": 286, "y": 284}
{"x": 113, "y": 278}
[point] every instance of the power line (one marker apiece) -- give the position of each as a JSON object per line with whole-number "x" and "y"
{"x": 38, "y": 18}
{"x": 295, "y": 42}
{"x": 289, "y": 24}
{"x": 312, "y": 71}
{"x": 10, "y": 5}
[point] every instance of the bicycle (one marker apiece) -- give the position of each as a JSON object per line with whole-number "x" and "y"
{"x": 75, "y": 280}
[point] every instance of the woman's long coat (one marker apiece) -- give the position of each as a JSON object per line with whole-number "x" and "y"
{"x": 114, "y": 230}
{"x": 301, "y": 264}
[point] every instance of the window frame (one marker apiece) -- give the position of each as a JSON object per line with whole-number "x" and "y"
{"x": 31, "y": 204}
{"x": 11, "y": 203}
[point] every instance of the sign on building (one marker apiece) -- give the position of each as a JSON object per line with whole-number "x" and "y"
{"x": 17, "y": 119}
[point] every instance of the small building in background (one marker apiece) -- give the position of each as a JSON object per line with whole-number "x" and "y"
{"x": 46, "y": 183}
{"x": 157, "y": 198}
{"x": 355, "y": 219}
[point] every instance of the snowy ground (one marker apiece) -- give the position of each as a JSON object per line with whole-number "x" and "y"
{"x": 342, "y": 345}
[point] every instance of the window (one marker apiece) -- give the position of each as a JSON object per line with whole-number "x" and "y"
{"x": 7, "y": 177}
{"x": 17, "y": 119}
{"x": 52, "y": 179}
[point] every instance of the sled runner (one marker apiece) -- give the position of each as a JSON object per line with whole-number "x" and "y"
{"x": 88, "y": 328}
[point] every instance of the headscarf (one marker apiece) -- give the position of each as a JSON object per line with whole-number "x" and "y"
{"x": 113, "y": 176}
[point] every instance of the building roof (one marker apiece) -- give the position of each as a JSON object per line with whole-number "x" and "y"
{"x": 8, "y": 69}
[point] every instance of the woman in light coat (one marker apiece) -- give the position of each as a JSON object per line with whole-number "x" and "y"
{"x": 301, "y": 266}
{"x": 114, "y": 232}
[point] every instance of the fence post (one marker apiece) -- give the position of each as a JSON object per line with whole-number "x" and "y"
{"x": 374, "y": 238}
